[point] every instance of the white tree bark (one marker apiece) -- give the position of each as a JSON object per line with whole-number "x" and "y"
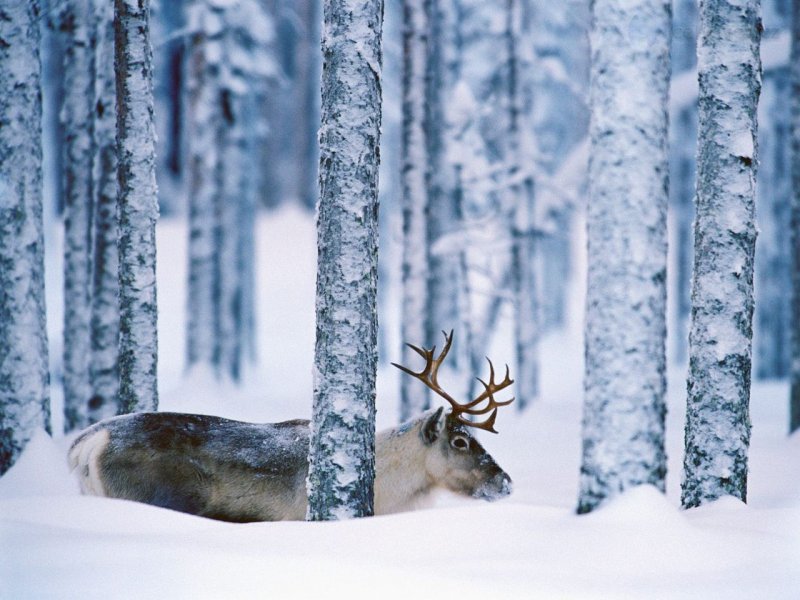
{"x": 683, "y": 154}
{"x": 341, "y": 456}
{"x": 720, "y": 339}
{"x": 414, "y": 327}
{"x": 228, "y": 280}
{"x": 625, "y": 377}
{"x": 24, "y": 377}
{"x": 75, "y": 24}
{"x": 138, "y": 207}
{"x": 772, "y": 324}
{"x": 521, "y": 203}
{"x": 230, "y": 60}
{"x": 201, "y": 133}
{"x": 794, "y": 401}
{"x": 443, "y": 278}
{"x": 104, "y": 366}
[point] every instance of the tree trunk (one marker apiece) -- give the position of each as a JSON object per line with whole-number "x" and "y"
{"x": 342, "y": 447}
{"x": 104, "y": 366}
{"x": 24, "y": 377}
{"x": 443, "y": 268}
{"x": 138, "y": 207}
{"x": 683, "y": 152}
{"x": 720, "y": 339}
{"x": 625, "y": 378}
{"x": 794, "y": 401}
{"x": 76, "y": 118}
{"x": 414, "y": 318}
{"x": 771, "y": 317}
{"x": 521, "y": 203}
{"x": 202, "y": 129}
{"x": 222, "y": 143}
{"x": 228, "y": 277}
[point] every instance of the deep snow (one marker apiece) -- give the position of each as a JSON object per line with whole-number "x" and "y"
{"x": 58, "y": 544}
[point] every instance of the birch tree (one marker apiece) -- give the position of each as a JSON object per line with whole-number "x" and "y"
{"x": 521, "y": 200}
{"x": 138, "y": 207}
{"x": 24, "y": 377}
{"x": 76, "y": 118}
{"x": 683, "y": 151}
{"x": 203, "y": 160}
{"x": 720, "y": 339}
{"x": 441, "y": 73}
{"x": 414, "y": 316}
{"x": 772, "y": 329}
{"x": 104, "y": 323}
{"x": 342, "y": 445}
{"x": 228, "y": 57}
{"x": 794, "y": 400}
{"x": 625, "y": 376}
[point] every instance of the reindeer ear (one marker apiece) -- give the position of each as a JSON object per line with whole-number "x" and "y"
{"x": 433, "y": 426}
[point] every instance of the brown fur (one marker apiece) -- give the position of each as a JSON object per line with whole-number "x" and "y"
{"x": 236, "y": 471}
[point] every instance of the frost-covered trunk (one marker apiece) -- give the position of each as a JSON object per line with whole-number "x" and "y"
{"x": 246, "y": 252}
{"x": 166, "y": 20}
{"x": 229, "y": 63}
{"x": 521, "y": 204}
{"x": 794, "y": 402}
{"x": 24, "y": 377}
{"x": 773, "y": 198}
{"x": 717, "y": 412}
{"x": 772, "y": 279}
{"x": 526, "y": 300}
{"x": 443, "y": 268}
{"x": 683, "y": 154}
{"x": 342, "y": 447}
{"x": 104, "y": 365}
{"x": 625, "y": 377}
{"x": 76, "y": 119}
{"x": 414, "y": 313}
{"x": 201, "y": 132}
{"x": 228, "y": 277}
{"x": 138, "y": 207}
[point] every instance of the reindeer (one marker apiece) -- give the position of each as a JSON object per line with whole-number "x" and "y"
{"x": 243, "y": 472}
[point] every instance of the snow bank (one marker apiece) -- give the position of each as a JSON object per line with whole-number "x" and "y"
{"x": 58, "y": 544}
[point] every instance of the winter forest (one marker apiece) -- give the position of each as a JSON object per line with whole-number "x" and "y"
{"x": 435, "y": 272}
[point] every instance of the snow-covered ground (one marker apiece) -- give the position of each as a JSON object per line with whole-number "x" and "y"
{"x": 55, "y": 543}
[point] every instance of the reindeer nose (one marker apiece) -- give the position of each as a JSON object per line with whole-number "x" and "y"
{"x": 503, "y": 484}
{"x": 498, "y": 486}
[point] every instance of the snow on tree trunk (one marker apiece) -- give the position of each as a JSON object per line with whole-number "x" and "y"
{"x": 229, "y": 63}
{"x": 104, "y": 366}
{"x": 521, "y": 204}
{"x": 794, "y": 402}
{"x": 76, "y": 118}
{"x": 24, "y": 377}
{"x": 246, "y": 251}
{"x": 717, "y": 414}
{"x": 341, "y": 456}
{"x": 526, "y": 300}
{"x": 442, "y": 310}
{"x": 683, "y": 153}
{"x": 772, "y": 279}
{"x": 202, "y": 128}
{"x": 166, "y": 21}
{"x": 138, "y": 207}
{"x": 625, "y": 377}
{"x": 414, "y": 317}
{"x": 228, "y": 282}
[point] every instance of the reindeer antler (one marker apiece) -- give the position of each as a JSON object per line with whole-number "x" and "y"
{"x": 429, "y": 376}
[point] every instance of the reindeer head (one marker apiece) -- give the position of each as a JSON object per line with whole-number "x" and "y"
{"x": 458, "y": 462}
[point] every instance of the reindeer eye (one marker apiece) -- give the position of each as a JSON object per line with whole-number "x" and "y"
{"x": 459, "y": 443}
